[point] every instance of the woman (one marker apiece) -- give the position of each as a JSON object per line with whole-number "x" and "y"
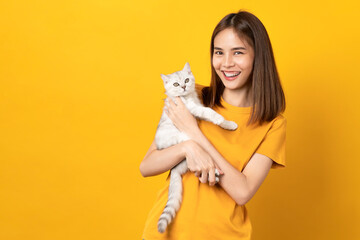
{"x": 245, "y": 88}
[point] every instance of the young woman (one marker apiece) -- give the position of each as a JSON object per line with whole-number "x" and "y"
{"x": 245, "y": 88}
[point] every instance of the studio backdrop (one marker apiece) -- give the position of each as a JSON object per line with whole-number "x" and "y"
{"x": 81, "y": 97}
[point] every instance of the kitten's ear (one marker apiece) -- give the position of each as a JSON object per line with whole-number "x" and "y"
{"x": 187, "y": 68}
{"x": 165, "y": 78}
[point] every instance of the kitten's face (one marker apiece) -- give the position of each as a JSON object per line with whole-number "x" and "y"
{"x": 179, "y": 83}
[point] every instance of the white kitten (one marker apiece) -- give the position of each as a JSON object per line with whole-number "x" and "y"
{"x": 181, "y": 83}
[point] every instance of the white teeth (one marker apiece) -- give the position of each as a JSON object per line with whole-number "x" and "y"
{"x": 231, "y": 74}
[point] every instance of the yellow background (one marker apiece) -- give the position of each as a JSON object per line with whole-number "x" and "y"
{"x": 81, "y": 96}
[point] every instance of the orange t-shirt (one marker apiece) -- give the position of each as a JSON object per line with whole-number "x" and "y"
{"x": 208, "y": 212}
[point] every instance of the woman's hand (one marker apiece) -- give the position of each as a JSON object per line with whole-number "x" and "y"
{"x": 200, "y": 162}
{"x": 181, "y": 117}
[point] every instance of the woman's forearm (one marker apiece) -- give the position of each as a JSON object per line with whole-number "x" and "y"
{"x": 232, "y": 181}
{"x": 160, "y": 161}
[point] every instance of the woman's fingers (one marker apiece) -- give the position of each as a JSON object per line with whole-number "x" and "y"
{"x": 204, "y": 176}
{"x": 179, "y": 102}
{"x": 169, "y": 106}
{"x": 212, "y": 177}
{"x": 170, "y": 109}
{"x": 217, "y": 167}
{"x": 171, "y": 103}
{"x": 201, "y": 164}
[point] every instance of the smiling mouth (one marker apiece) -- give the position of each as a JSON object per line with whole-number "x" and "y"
{"x": 231, "y": 74}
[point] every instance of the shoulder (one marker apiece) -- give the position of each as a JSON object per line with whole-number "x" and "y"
{"x": 278, "y": 123}
{"x": 280, "y": 120}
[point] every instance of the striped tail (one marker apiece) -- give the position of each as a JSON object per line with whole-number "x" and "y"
{"x": 174, "y": 200}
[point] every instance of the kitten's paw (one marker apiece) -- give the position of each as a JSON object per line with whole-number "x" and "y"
{"x": 217, "y": 175}
{"x": 217, "y": 180}
{"x": 229, "y": 125}
{"x": 218, "y": 119}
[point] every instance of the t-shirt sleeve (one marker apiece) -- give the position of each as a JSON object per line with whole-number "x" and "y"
{"x": 273, "y": 144}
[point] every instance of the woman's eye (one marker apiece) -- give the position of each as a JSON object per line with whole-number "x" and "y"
{"x": 176, "y": 84}
{"x": 218, "y": 52}
{"x": 186, "y": 80}
{"x": 238, "y": 53}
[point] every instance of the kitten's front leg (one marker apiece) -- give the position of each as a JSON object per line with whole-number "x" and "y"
{"x": 210, "y": 115}
{"x": 229, "y": 125}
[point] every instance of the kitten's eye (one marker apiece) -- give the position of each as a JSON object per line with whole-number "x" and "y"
{"x": 176, "y": 84}
{"x": 187, "y": 80}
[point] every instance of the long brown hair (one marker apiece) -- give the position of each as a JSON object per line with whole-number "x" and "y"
{"x": 267, "y": 94}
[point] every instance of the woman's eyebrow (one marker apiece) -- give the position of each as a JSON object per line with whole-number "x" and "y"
{"x": 236, "y": 48}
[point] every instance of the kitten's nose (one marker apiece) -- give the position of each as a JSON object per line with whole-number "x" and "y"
{"x": 184, "y": 87}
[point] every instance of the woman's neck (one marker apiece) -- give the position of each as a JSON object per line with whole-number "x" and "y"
{"x": 238, "y": 97}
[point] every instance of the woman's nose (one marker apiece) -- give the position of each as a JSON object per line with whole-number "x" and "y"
{"x": 228, "y": 61}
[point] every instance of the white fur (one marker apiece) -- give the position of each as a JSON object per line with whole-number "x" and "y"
{"x": 167, "y": 134}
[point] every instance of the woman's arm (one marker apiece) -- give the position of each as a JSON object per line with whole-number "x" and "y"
{"x": 241, "y": 186}
{"x": 198, "y": 160}
{"x": 159, "y": 161}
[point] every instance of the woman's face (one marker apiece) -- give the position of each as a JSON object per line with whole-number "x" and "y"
{"x": 232, "y": 59}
